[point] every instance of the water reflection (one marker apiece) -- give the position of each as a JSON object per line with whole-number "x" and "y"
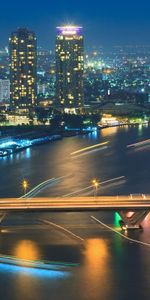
{"x": 94, "y": 135}
{"x": 96, "y": 271}
{"x": 27, "y": 249}
{"x": 28, "y": 153}
{"x": 96, "y": 253}
{"x": 109, "y": 131}
{"x": 23, "y": 280}
{"x": 30, "y": 272}
{"x": 140, "y": 129}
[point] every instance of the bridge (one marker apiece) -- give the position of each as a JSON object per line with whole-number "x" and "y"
{"x": 138, "y": 204}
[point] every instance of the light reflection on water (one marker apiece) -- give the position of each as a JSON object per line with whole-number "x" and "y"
{"x": 27, "y": 249}
{"x": 30, "y": 272}
{"x": 95, "y": 254}
{"x": 109, "y": 131}
{"x": 96, "y": 272}
{"x": 28, "y": 153}
{"x": 94, "y": 135}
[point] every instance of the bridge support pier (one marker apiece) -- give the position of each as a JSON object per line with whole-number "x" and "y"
{"x": 2, "y": 217}
{"x": 132, "y": 220}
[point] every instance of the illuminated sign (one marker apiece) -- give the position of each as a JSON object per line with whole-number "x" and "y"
{"x": 69, "y": 30}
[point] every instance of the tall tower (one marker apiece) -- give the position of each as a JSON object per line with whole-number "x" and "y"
{"x": 23, "y": 68}
{"x": 69, "y": 67}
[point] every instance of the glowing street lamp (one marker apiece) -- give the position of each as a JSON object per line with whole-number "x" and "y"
{"x": 25, "y": 185}
{"x": 95, "y": 185}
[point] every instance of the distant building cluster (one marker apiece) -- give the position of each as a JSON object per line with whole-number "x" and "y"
{"x": 69, "y": 80}
{"x": 69, "y": 69}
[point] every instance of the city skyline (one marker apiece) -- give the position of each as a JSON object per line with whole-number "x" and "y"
{"x": 104, "y": 23}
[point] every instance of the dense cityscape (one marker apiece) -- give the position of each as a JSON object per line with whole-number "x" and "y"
{"x": 114, "y": 81}
{"x": 74, "y": 150}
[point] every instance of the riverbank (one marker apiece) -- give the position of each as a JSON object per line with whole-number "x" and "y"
{"x": 122, "y": 125}
{"x": 21, "y": 140}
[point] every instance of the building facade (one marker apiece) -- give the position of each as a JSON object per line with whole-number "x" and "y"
{"x": 4, "y": 90}
{"x": 23, "y": 68}
{"x": 69, "y": 67}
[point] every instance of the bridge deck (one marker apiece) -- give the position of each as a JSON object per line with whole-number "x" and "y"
{"x": 135, "y": 202}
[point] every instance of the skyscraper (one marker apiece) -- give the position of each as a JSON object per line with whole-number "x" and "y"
{"x": 69, "y": 67}
{"x": 23, "y": 68}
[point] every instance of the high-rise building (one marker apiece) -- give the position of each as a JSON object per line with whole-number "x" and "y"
{"x": 4, "y": 90}
{"x": 23, "y": 68}
{"x": 69, "y": 67}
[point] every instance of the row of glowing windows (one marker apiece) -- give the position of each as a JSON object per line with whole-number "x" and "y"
{"x": 14, "y": 57}
{"x": 70, "y": 102}
{"x": 72, "y": 46}
{"x": 14, "y": 52}
{"x": 16, "y": 77}
{"x": 29, "y": 82}
{"x": 24, "y": 95}
{"x": 66, "y": 58}
{"x": 77, "y": 69}
{"x": 25, "y": 76}
{"x": 71, "y": 97}
{"x": 13, "y": 66}
{"x": 15, "y": 39}
{"x": 23, "y": 88}
{"x": 20, "y": 81}
{"x": 70, "y": 38}
{"x": 63, "y": 50}
{"x": 68, "y": 55}
{"x": 23, "y": 91}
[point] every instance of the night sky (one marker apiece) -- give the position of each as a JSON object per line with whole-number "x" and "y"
{"x": 105, "y": 22}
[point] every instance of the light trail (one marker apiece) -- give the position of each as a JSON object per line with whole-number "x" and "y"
{"x": 41, "y": 186}
{"x": 119, "y": 233}
{"x": 39, "y": 264}
{"x": 142, "y": 143}
{"x": 89, "y": 152}
{"x": 37, "y": 187}
{"x": 88, "y": 148}
{"x": 91, "y": 186}
{"x": 62, "y": 228}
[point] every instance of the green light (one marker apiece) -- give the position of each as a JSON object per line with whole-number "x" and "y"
{"x": 117, "y": 219}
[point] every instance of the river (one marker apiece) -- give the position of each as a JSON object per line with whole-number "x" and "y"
{"x": 109, "y": 266}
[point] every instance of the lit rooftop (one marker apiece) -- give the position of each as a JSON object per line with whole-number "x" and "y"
{"x": 69, "y": 29}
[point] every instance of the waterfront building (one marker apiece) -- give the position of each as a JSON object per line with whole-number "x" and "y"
{"x": 69, "y": 68}
{"x": 23, "y": 68}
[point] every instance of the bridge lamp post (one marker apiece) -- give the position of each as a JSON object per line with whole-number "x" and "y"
{"x": 95, "y": 186}
{"x": 25, "y": 185}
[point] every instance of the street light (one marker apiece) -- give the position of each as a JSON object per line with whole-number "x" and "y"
{"x": 25, "y": 185}
{"x": 95, "y": 185}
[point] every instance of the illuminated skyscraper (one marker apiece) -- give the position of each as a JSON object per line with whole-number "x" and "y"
{"x": 23, "y": 65}
{"x": 69, "y": 67}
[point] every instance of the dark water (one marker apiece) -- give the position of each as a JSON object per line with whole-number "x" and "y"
{"x": 110, "y": 267}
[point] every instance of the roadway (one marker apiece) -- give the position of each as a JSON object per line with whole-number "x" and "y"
{"x": 129, "y": 202}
